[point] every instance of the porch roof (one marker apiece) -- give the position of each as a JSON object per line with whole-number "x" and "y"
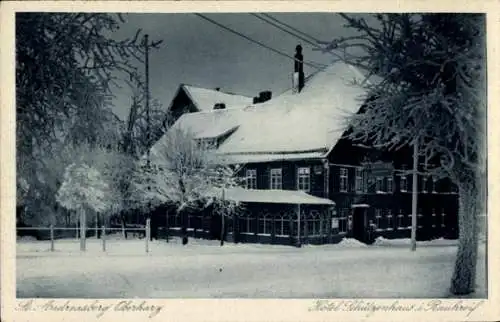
{"x": 275, "y": 196}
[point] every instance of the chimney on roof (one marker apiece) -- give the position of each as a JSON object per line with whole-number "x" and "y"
{"x": 298, "y": 70}
{"x": 219, "y": 106}
{"x": 264, "y": 96}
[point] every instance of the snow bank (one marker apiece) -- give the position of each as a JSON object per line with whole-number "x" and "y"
{"x": 26, "y": 238}
{"x": 351, "y": 242}
{"x": 381, "y": 241}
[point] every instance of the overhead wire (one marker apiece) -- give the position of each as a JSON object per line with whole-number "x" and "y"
{"x": 308, "y": 63}
{"x": 314, "y": 43}
{"x": 283, "y": 29}
{"x": 290, "y": 27}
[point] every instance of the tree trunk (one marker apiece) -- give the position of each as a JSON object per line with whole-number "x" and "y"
{"x": 183, "y": 216}
{"x": 464, "y": 275}
{"x": 124, "y": 232}
{"x": 222, "y": 230}
{"x": 167, "y": 226}
{"x": 83, "y": 229}
{"x": 99, "y": 224}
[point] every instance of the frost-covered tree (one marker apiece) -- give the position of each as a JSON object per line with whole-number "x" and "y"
{"x": 183, "y": 174}
{"x": 114, "y": 167}
{"x": 65, "y": 66}
{"x": 139, "y": 135}
{"x": 431, "y": 93}
{"x": 84, "y": 189}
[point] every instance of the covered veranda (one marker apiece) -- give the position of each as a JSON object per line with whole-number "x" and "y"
{"x": 288, "y": 217}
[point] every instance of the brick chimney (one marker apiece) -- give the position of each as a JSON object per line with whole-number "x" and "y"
{"x": 298, "y": 70}
{"x": 264, "y": 96}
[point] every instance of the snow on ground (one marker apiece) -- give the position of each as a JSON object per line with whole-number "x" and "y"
{"x": 203, "y": 269}
{"x": 406, "y": 242}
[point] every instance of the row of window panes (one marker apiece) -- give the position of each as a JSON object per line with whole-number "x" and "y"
{"x": 384, "y": 221}
{"x": 428, "y": 184}
{"x": 382, "y": 184}
{"x": 282, "y": 224}
{"x": 276, "y": 178}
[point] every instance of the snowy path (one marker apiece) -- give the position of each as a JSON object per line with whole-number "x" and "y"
{"x": 204, "y": 270}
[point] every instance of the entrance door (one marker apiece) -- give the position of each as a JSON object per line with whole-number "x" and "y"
{"x": 359, "y": 224}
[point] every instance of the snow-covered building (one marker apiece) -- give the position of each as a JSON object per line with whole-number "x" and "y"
{"x": 190, "y": 99}
{"x": 293, "y": 155}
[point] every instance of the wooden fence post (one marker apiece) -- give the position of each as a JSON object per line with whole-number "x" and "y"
{"x": 148, "y": 233}
{"x": 51, "y": 237}
{"x": 103, "y": 237}
{"x": 83, "y": 235}
{"x": 96, "y": 227}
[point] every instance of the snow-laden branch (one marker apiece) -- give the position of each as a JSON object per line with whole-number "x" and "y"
{"x": 431, "y": 87}
{"x": 183, "y": 174}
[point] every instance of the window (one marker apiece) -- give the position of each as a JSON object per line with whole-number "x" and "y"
{"x": 433, "y": 185}
{"x": 389, "y": 185}
{"x": 343, "y": 220}
{"x": 419, "y": 220}
{"x": 207, "y": 144}
{"x": 246, "y": 223}
{"x": 283, "y": 225}
{"x": 314, "y": 223}
{"x": 327, "y": 223}
{"x": 401, "y": 220}
{"x": 251, "y": 179}
{"x": 343, "y": 179}
{"x": 443, "y": 216}
{"x": 389, "y": 219}
{"x": 379, "y": 184}
{"x": 378, "y": 219}
{"x": 433, "y": 218}
{"x": 265, "y": 224}
{"x": 359, "y": 182}
{"x": 403, "y": 183}
{"x": 276, "y": 179}
{"x": 303, "y": 179}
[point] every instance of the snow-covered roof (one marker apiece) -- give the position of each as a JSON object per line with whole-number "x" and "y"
{"x": 301, "y": 125}
{"x": 205, "y": 98}
{"x": 275, "y": 196}
{"x": 216, "y": 131}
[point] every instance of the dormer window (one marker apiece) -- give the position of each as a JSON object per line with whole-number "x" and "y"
{"x": 207, "y": 144}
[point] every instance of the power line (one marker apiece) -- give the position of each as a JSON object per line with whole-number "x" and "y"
{"x": 290, "y": 27}
{"x": 309, "y": 63}
{"x": 283, "y": 29}
{"x": 315, "y": 44}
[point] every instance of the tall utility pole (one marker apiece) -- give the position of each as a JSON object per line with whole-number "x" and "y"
{"x": 148, "y": 122}
{"x": 148, "y": 125}
{"x": 414, "y": 195}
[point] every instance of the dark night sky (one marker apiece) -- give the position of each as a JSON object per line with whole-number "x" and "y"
{"x": 197, "y": 52}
